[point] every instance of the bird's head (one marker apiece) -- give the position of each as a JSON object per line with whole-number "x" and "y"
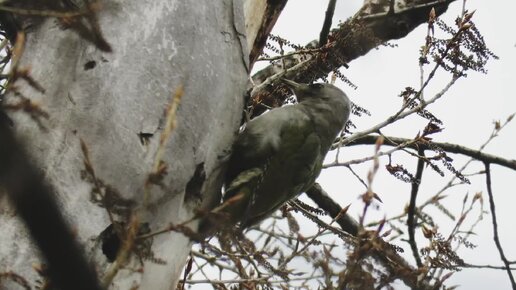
{"x": 328, "y": 106}
{"x": 323, "y": 92}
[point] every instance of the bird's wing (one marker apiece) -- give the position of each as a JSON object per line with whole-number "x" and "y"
{"x": 258, "y": 141}
{"x": 262, "y": 139}
{"x": 284, "y": 146}
{"x": 290, "y": 172}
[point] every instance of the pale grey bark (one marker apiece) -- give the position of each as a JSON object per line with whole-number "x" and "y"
{"x": 255, "y": 13}
{"x": 157, "y": 47}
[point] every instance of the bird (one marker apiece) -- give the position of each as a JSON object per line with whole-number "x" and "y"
{"x": 279, "y": 155}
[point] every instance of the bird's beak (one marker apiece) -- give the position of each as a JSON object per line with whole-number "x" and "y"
{"x": 301, "y": 91}
{"x": 291, "y": 84}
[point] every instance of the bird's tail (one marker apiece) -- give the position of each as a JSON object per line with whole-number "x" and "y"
{"x": 235, "y": 206}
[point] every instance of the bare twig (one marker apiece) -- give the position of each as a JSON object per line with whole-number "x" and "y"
{"x": 411, "y": 216}
{"x": 241, "y": 281}
{"x": 308, "y": 51}
{"x": 400, "y": 114}
{"x": 467, "y": 265}
{"x": 495, "y": 226}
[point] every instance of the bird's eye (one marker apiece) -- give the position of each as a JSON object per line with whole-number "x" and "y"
{"x": 316, "y": 86}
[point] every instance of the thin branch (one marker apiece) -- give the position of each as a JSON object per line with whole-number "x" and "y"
{"x": 357, "y": 176}
{"x": 495, "y": 226}
{"x": 393, "y": 141}
{"x": 448, "y": 147}
{"x": 240, "y": 281}
{"x": 312, "y": 240}
{"x": 308, "y": 51}
{"x": 400, "y": 114}
{"x": 212, "y": 261}
{"x": 411, "y": 219}
{"x": 235, "y": 281}
{"x": 466, "y": 265}
{"x": 379, "y": 154}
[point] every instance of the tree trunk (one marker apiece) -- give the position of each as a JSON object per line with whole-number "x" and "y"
{"x": 115, "y": 103}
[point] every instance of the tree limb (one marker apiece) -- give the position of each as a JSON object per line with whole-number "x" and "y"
{"x": 352, "y": 39}
{"x": 448, "y": 147}
{"x": 270, "y": 15}
{"x": 387, "y": 257}
{"x": 321, "y": 198}
{"x": 323, "y": 37}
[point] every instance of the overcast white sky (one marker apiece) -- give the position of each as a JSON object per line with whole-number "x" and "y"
{"x": 468, "y": 112}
